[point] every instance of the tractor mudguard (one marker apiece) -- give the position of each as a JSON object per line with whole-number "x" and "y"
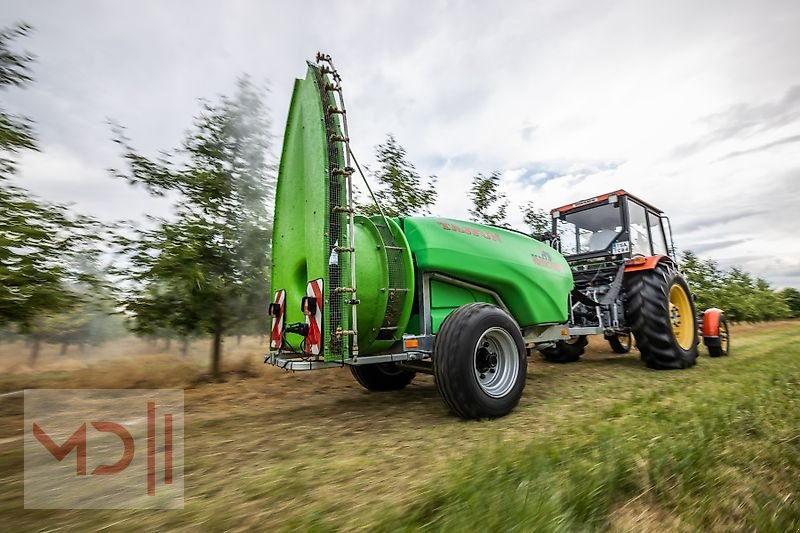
{"x": 711, "y": 320}
{"x": 644, "y": 263}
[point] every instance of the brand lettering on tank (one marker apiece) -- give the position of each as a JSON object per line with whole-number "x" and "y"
{"x": 470, "y": 231}
{"x": 544, "y": 259}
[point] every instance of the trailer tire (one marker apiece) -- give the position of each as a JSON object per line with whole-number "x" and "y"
{"x": 618, "y": 346}
{"x": 382, "y": 377}
{"x": 566, "y": 351}
{"x": 479, "y": 361}
{"x": 662, "y": 316}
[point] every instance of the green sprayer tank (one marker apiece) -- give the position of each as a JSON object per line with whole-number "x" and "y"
{"x": 409, "y": 273}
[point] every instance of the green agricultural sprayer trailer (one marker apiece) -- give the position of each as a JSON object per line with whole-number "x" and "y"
{"x": 466, "y": 302}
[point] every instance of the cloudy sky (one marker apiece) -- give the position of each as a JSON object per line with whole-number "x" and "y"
{"x": 692, "y": 105}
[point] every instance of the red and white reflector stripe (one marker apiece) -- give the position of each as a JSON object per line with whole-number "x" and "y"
{"x": 276, "y": 335}
{"x": 314, "y": 321}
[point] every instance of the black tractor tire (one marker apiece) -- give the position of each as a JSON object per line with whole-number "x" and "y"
{"x": 650, "y": 315}
{"x": 566, "y": 351}
{"x": 725, "y": 342}
{"x": 618, "y": 346}
{"x": 382, "y": 377}
{"x": 472, "y": 339}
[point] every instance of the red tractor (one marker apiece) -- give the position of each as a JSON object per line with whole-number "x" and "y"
{"x": 628, "y": 284}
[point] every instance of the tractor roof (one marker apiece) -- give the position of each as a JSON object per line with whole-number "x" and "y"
{"x": 603, "y": 198}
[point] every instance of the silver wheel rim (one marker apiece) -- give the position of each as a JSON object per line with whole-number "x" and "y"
{"x": 495, "y": 362}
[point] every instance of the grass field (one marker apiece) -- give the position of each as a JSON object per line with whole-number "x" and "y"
{"x": 600, "y": 444}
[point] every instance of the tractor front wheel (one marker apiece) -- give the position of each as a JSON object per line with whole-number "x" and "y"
{"x": 566, "y": 351}
{"x": 662, "y": 316}
{"x": 479, "y": 361}
{"x": 721, "y": 346}
{"x": 620, "y": 343}
{"x": 382, "y": 377}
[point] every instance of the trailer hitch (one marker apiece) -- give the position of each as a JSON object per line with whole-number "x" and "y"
{"x": 298, "y": 327}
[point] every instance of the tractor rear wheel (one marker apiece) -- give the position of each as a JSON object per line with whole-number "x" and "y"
{"x": 566, "y": 351}
{"x": 620, "y": 343}
{"x": 718, "y": 350}
{"x": 479, "y": 361}
{"x": 382, "y": 377}
{"x": 662, "y": 316}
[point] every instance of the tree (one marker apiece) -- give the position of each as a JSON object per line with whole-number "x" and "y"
{"x": 768, "y": 303}
{"x": 792, "y": 298}
{"x": 16, "y": 133}
{"x": 489, "y": 205}
{"x": 206, "y": 271}
{"x": 41, "y": 245}
{"x": 734, "y": 291}
{"x": 537, "y": 220}
{"x": 401, "y": 190}
{"x": 705, "y": 280}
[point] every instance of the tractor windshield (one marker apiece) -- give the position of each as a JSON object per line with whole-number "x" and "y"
{"x": 589, "y": 230}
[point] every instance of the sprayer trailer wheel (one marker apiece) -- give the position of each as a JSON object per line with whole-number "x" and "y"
{"x": 479, "y": 361}
{"x": 382, "y": 376}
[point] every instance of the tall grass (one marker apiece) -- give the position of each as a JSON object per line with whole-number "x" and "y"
{"x": 723, "y": 456}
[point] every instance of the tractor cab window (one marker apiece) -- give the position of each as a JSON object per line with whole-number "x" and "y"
{"x": 589, "y": 230}
{"x": 657, "y": 234}
{"x": 639, "y": 236}
{"x": 567, "y": 234}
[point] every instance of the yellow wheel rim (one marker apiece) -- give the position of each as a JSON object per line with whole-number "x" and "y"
{"x": 723, "y": 337}
{"x": 680, "y": 315}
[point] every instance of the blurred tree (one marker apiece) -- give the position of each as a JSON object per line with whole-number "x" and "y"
{"x": 792, "y": 298}
{"x": 734, "y": 291}
{"x": 401, "y": 191}
{"x": 768, "y": 303}
{"x": 16, "y": 133}
{"x": 41, "y": 245}
{"x": 704, "y": 278}
{"x": 537, "y": 220}
{"x": 207, "y": 270}
{"x": 489, "y": 205}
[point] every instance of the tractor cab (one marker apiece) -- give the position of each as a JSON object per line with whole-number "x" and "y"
{"x": 612, "y": 227}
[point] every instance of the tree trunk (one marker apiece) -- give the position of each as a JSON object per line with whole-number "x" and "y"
{"x": 64, "y": 348}
{"x": 184, "y": 346}
{"x": 168, "y": 344}
{"x": 36, "y": 344}
{"x": 216, "y": 350}
{"x": 238, "y": 339}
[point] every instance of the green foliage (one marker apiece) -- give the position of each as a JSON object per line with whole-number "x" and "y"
{"x": 401, "y": 190}
{"x": 206, "y": 270}
{"x": 735, "y": 291}
{"x": 537, "y": 220}
{"x": 792, "y": 298}
{"x": 489, "y": 205}
{"x": 16, "y": 133}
